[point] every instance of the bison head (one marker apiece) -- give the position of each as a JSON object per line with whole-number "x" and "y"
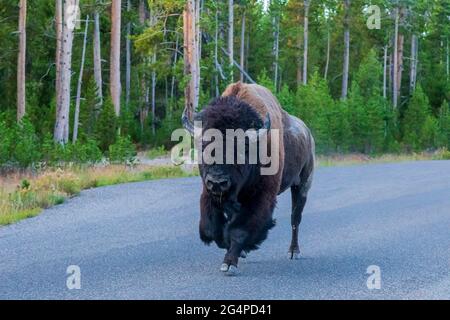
{"x": 224, "y": 178}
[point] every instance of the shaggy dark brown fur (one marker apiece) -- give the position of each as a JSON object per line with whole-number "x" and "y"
{"x": 239, "y": 219}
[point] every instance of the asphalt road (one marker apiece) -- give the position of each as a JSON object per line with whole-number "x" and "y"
{"x": 140, "y": 241}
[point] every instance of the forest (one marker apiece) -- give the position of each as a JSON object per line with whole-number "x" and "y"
{"x": 84, "y": 80}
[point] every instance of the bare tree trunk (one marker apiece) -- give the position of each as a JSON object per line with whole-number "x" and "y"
{"x": 384, "y": 71}
{"x": 128, "y": 59}
{"x": 59, "y": 31}
{"x": 191, "y": 62}
{"x": 327, "y": 64}
{"x": 395, "y": 63}
{"x": 391, "y": 74}
{"x": 247, "y": 47}
{"x": 299, "y": 61}
{"x": 143, "y": 14}
{"x": 115, "y": 86}
{"x": 98, "y": 60}
{"x": 305, "y": 44}
{"x": 243, "y": 44}
{"x": 175, "y": 61}
{"x": 276, "y": 49}
{"x": 401, "y": 38}
{"x": 413, "y": 64}
{"x": 198, "y": 31}
{"x": 154, "y": 95}
{"x": 231, "y": 35}
{"x": 216, "y": 54}
{"x": 448, "y": 61}
{"x": 21, "y": 98}
{"x": 80, "y": 82}
{"x": 61, "y": 133}
{"x": 346, "y": 49}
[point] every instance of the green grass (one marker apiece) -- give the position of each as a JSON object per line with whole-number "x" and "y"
{"x": 10, "y": 218}
{"x": 356, "y": 159}
{"x": 157, "y": 153}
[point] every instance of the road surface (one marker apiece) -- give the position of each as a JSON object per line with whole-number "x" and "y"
{"x": 140, "y": 241}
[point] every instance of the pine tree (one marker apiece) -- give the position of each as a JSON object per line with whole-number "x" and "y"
{"x": 415, "y": 117}
{"x": 367, "y": 106}
{"x": 89, "y": 110}
{"x": 106, "y": 126}
{"x": 444, "y": 125}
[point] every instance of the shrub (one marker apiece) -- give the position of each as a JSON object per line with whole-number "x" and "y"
{"x": 6, "y": 140}
{"x": 123, "y": 151}
{"x": 87, "y": 152}
{"x": 106, "y": 126}
{"x": 444, "y": 125}
{"x": 429, "y": 135}
{"x": 415, "y": 117}
{"x": 26, "y": 149}
{"x": 157, "y": 152}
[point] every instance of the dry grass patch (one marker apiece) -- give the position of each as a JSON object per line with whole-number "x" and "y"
{"x": 25, "y": 195}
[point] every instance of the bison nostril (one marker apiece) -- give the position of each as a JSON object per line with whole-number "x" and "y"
{"x": 224, "y": 185}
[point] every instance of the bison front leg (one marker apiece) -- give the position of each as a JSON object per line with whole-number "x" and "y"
{"x": 212, "y": 222}
{"x": 238, "y": 238}
{"x": 247, "y": 230}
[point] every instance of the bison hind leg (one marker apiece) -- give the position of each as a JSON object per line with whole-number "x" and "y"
{"x": 299, "y": 196}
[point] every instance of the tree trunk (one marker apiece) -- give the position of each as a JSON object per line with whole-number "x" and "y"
{"x": 346, "y": 49}
{"x": 243, "y": 44}
{"x": 80, "y": 82}
{"x": 413, "y": 65}
{"x": 143, "y": 15}
{"x": 231, "y": 36}
{"x": 276, "y": 50}
{"x": 305, "y": 43}
{"x": 448, "y": 61}
{"x": 327, "y": 64}
{"x": 191, "y": 63}
{"x": 395, "y": 62}
{"x": 98, "y": 60}
{"x": 401, "y": 38}
{"x": 175, "y": 61}
{"x": 299, "y": 61}
{"x": 59, "y": 35}
{"x": 21, "y": 60}
{"x": 115, "y": 86}
{"x": 61, "y": 133}
{"x": 384, "y": 71}
{"x": 154, "y": 95}
{"x": 128, "y": 59}
{"x": 216, "y": 54}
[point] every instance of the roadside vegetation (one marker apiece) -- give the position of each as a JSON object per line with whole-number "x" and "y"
{"x": 26, "y": 194}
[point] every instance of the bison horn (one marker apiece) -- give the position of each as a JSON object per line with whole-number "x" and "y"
{"x": 188, "y": 124}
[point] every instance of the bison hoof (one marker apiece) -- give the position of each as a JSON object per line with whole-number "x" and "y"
{"x": 229, "y": 270}
{"x": 243, "y": 254}
{"x": 293, "y": 255}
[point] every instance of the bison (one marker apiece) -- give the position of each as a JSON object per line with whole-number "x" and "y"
{"x": 237, "y": 201}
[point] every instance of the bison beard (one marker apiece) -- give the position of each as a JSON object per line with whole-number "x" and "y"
{"x": 239, "y": 218}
